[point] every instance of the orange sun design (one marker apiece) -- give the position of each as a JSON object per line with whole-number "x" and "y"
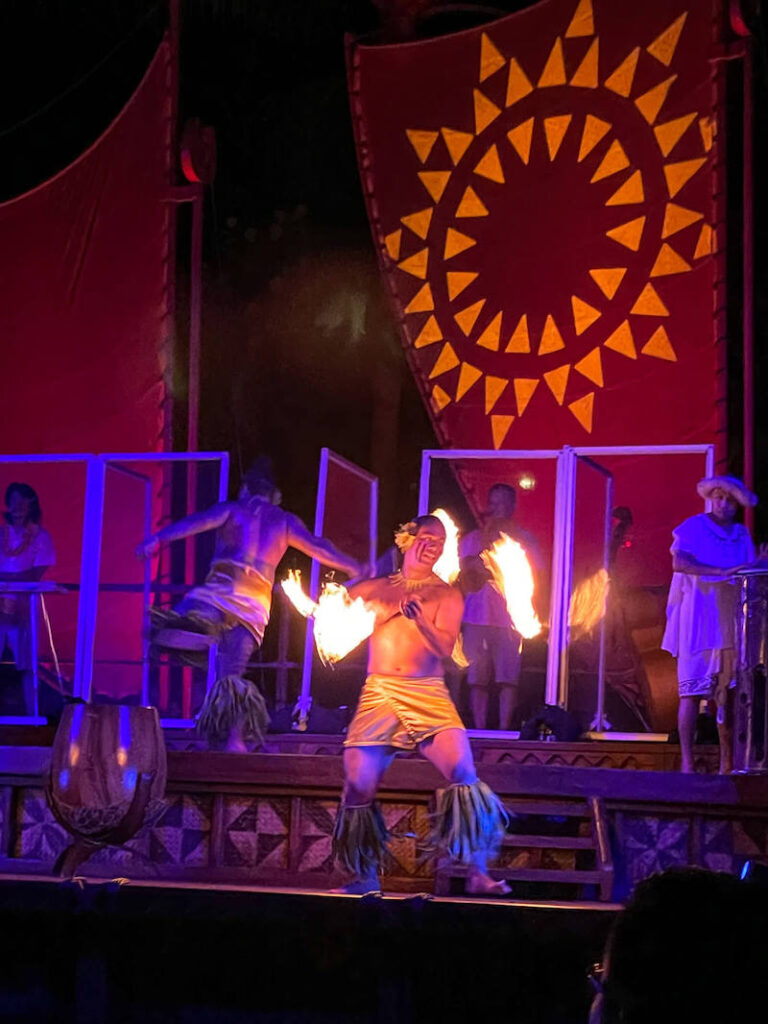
{"x": 445, "y": 257}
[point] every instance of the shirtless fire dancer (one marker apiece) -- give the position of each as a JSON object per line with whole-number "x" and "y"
{"x": 233, "y": 605}
{"x": 404, "y": 704}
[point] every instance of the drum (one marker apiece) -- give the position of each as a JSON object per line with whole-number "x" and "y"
{"x": 750, "y": 724}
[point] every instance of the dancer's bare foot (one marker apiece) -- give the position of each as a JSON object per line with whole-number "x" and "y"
{"x": 687, "y": 767}
{"x": 481, "y": 884}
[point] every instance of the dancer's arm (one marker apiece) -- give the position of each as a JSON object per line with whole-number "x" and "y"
{"x": 198, "y": 522}
{"x": 440, "y": 635}
{"x": 323, "y": 550}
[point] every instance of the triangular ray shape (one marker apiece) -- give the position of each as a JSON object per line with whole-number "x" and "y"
{"x": 392, "y": 243}
{"x": 429, "y": 334}
{"x": 649, "y": 303}
{"x": 586, "y": 73}
{"x": 663, "y": 47}
{"x": 524, "y": 389}
{"x": 422, "y": 301}
{"x": 551, "y": 339}
{"x": 707, "y": 129}
{"x": 520, "y": 137}
{"x": 622, "y": 78}
{"x": 486, "y": 111}
{"x": 416, "y": 264}
{"x": 457, "y": 281}
{"x": 468, "y": 375}
{"x": 629, "y": 234}
{"x": 659, "y": 346}
{"x": 678, "y": 217}
{"x": 457, "y": 143}
{"x": 494, "y": 388}
{"x": 591, "y": 367}
{"x": 471, "y": 205}
{"x": 621, "y": 341}
{"x": 490, "y": 337}
{"x": 422, "y": 142}
{"x": 582, "y": 409}
{"x": 518, "y": 84}
{"x": 555, "y": 129}
{"x": 490, "y": 58}
{"x": 447, "y": 360}
{"x": 669, "y": 134}
{"x": 419, "y": 222}
{"x": 500, "y": 428}
{"x": 554, "y": 69}
{"x": 669, "y": 262}
{"x": 582, "y": 23}
{"x": 584, "y": 315}
{"x": 434, "y": 182}
{"x": 456, "y": 242}
{"x": 520, "y": 340}
{"x": 608, "y": 279}
{"x": 615, "y": 160}
{"x": 706, "y": 243}
{"x": 439, "y": 398}
{"x": 557, "y": 381}
{"x": 630, "y": 192}
{"x": 594, "y": 131}
{"x": 680, "y": 173}
{"x": 490, "y": 166}
{"x": 467, "y": 317}
{"x": 651, "y": 102}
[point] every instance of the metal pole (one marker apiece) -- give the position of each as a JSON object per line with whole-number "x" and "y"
{"x": 600, "y": 722}
{"x": 305, "y": 698}
{"x": 569, "y": 512}
{"x": 426, "y": 466}
{"x": 90, "y": 561}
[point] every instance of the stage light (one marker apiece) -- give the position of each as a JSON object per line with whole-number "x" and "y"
{"x": 526, "y": 481}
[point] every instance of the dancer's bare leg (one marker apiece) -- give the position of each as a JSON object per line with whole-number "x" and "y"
{"x": 687, "y": 713}
{"x": 450, "y": 753}
{"x": 363, "y": 771}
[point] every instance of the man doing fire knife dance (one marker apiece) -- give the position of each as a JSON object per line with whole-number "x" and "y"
{"x": 404, "y": 704}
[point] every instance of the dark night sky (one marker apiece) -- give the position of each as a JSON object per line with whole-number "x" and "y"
{"x": 297, "y": 341}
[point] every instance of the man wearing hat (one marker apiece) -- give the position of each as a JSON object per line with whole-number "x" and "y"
{"x": 233, "y": 604}
{"x": 706, "y": 551}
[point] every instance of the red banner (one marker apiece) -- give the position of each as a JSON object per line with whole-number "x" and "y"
{"x": 542, "y": 193}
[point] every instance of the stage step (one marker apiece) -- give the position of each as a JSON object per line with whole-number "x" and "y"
{"x": 590, "y": 811}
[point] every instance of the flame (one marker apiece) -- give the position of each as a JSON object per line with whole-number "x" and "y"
{"x": 341, "y": 623}
{"x": 303, "y": 604}
{"x": 588, "y": 602}
{"x": 508, "y": 564}
{"x": 447, "y": 566}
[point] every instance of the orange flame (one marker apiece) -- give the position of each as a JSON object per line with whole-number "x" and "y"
{"x": 508, "y": 564}
{"x": 341, "y": 623}
{"x": 447, "y": 566}
{"x": 588, "y": 602}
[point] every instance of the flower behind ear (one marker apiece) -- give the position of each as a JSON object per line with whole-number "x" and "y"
{"x": 405, "y": 536}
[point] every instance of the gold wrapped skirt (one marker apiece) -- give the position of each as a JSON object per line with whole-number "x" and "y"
{"x": 402, "y": 712}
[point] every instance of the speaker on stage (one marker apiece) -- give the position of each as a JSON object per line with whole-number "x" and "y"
{"x": 550, "y": 722}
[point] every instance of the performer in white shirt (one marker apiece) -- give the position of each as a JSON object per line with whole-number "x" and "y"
{"x": 707, "y": 549}
{"x": 26, "y": 552}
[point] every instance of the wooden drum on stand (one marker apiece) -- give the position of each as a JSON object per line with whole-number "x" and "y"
{"x": 750, "y": 720}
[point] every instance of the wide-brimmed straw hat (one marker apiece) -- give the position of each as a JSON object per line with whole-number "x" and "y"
{"x": 731, "y": 485}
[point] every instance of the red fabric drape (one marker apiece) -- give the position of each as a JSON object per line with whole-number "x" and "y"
{"x": 84, "y": 292}
{"x": 542, "y": 192}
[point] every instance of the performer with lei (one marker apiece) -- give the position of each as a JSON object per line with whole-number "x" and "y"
{"x": 404, "y": 704}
